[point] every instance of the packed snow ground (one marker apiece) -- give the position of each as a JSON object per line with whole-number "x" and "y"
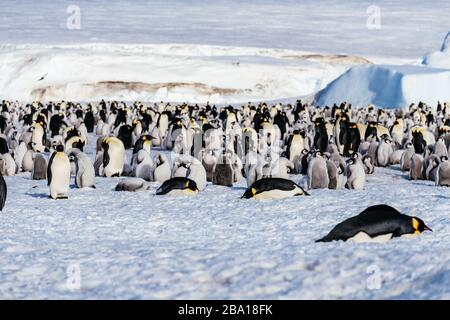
{"x": 216, "y": 245}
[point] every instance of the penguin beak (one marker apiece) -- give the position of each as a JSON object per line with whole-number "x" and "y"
{"x": 427, "y": 228}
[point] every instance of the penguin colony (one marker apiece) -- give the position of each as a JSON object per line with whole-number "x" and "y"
{"x": 328, "y": 148}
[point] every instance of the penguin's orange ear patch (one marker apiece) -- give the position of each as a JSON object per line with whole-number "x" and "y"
{"x": 415, "y": 225}
{"x": 253, "y": 191}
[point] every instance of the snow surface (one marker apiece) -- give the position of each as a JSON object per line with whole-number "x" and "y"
{"x": 388, "y": 86}
{"x": 183, "y": 73}
{"x": 216, "y": 245}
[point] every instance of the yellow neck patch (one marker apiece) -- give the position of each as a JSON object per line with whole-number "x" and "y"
{"x": 415, "y": 225}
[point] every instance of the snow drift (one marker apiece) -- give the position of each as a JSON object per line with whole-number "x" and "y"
{"x": 388, "y": 86}
{"x": 441, "y": 58}
{"x": 188, "y": 73}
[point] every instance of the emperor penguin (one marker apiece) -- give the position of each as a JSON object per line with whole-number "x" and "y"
{"x": 191, "y": 168}
{"x": 440, "y": 148}
{"x": 405, "y": 160}
{"x": 384, "y": 152}
{"x": 369, "y": 168}
{"x": 416, "y": 167}
{"x": 223, "y": 171}
{"x": 143, "y": 165}
{"x": 132, "y": 185}
{"x": 209, "y": 160}
{"x": 161, "y": 172}
{"x": 27, "y": 160}
{"x": 356, "y": 175}
{"x": 273, "y": 188}
{"x": 58, "y": 174}
{"x": 317, "y": 172}
{"x": 178, "y": 186}
{"x": 333, "y": 175}
{"x": 443, "y": 173}
{"x": 38, "y": 137}
{"x": 378, "y": 223}
{"x": 39, "y": 167}
{"x": 3, "y": 192}
{"x": 396, "y": 156}
{"x": 431, "y": 165}
{"x": 19, "y": 153}
{"x": 84, "y": 169}
{"x": 9, "y": 166}
{"x": 295, "y": 145}
{"x": 113, "y": 157}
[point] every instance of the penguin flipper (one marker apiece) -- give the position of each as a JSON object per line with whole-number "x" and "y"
{"x": 3, "y": 192}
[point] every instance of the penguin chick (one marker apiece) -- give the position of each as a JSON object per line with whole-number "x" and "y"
{"x": 356, "y": 175}
{"x": 223, "y": 172}
{"x": 39, "y": 167}
{"x": 161, "y": 172}
{"x": 443, "y": 173}
{"x": 132, "y": 185}
{"x": 416, "y": 167}
{"x": 318, "y": 172}
{"x": 84, "y": 169}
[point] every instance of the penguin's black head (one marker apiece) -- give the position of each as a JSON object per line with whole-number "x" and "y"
{"x": 60, "y": 148}
{"x": 191, "y": 185}
{"x": 351, "y": 161}
{"x": 444, "y": 158}
{"x": 418, "y": 226}
{"x": 249, "y": 193}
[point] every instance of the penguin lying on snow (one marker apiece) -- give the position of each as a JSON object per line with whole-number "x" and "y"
{"x": 273, "y": 188}
{"x": 378, "y": 223}
{"x": 132, "y": 185}
{"x": 178, "y": 186}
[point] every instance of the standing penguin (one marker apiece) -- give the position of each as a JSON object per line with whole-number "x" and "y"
{"x": 39, "y": 167}
{"x": 376, "y": 224}
{"x": 27, "y": 160}
{"x": 223, "y": 172}
{"x": 295, "y": 145}
{"x": 113, "y": 157}
{"x": 356, "y": 175}
{"x": 161, "y": 172}
{"x": 416, "y": 167}
{"x": 405, "y": 160}
{"x": 321, "y": 135}
{"x": 38, "y": 137}
{"x": 125, "y": 135}
{"x": 443, "y": 173}
{"x": 3, "y": 192}
{"x": 143, "y": 165}
{"x": 84, "y": 169}
{"x": 384, "y": 152}
{"x": 369, "y": 168}
{"x": 440, "y": 148}
{"x": 318, "y": 172}
{"x": 58, "y": 174}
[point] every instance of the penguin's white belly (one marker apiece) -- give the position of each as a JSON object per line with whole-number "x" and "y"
{"x": 276, "y": 194}
{"x": 362, "y": 237}
{"x": 60, "y": 179}
{"x": 184, "y": 192}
